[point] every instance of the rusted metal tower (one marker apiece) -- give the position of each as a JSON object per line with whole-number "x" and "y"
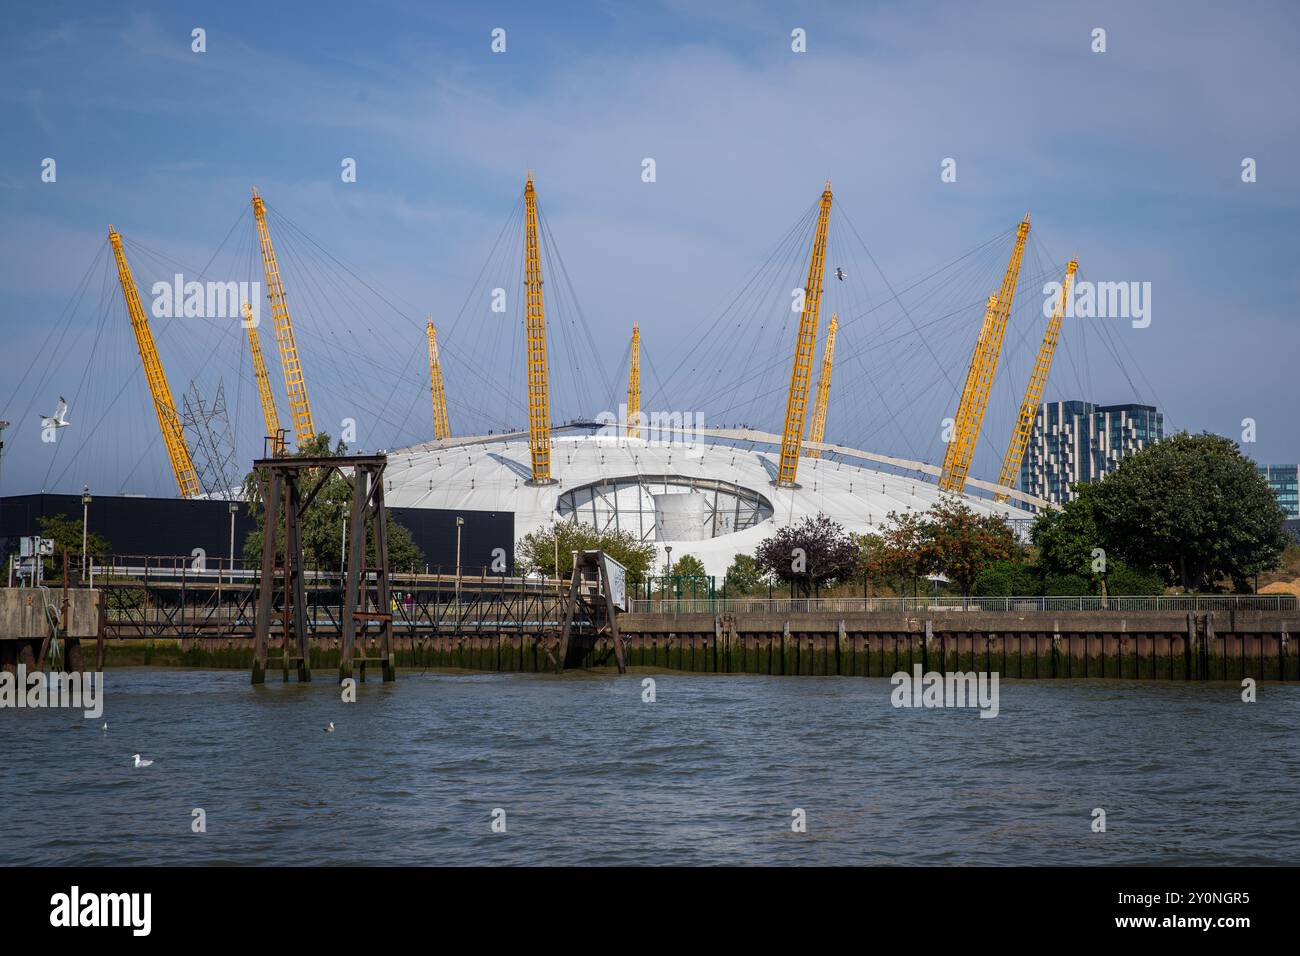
{"x": 796, "y": 405}
{"x": 441, "y": 431}
{"x": 539, "y": 399}
{"x": 823, "y": 388}
{"x": 270, "y": 416}
{"x": 366, "y": 600}
{"x": 1034, "y": 390}
{"x": 979, "y": 377}
{"x": 169, "y": 422}
{"x": 294, "y": 386}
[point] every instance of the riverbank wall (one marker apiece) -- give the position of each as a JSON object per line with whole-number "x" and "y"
{"x": 1211, "y": 645}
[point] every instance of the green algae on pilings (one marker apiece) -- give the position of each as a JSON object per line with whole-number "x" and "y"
{"x": 1046, "y": 658}
{"x": 1270, "y": 668}
{"x": 1128, "y": 667}
{"x": 1232, "y": 666}
{"x": 1110, "y": 665}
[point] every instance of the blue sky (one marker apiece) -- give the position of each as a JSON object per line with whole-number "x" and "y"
{"x": 1129, "y": 159}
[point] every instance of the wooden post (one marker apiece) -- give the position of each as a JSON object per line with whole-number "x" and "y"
{"x": 613, "y": 618}
{"x": 379, "y": 517}
{"x": 356, "y": 558}
{"x": 293, "y": 553}
{"x": 101, "y": 614}
{"x": 266, "y": 587}
{"x": 568, "y": 615}
{"x": 1209, "y": 642}
{"x": 841, "y": 646}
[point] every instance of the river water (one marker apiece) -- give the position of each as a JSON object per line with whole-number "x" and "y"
{"x": 711, "y": 772}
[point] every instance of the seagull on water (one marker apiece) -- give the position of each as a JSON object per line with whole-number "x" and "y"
{"x": 105, "y": 727}
{"x": 140, "y": 762}
{"x": 60, "y": 417}
{"x": 330, "y": 728}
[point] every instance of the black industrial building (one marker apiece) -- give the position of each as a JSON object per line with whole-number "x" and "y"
{"x": 176, "y": 526}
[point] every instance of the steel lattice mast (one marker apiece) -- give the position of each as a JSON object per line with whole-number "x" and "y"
{"x": 441, "y": 431}
{"x": 634, "y": 385}
{"x": 187, "y": 479}
{"x": 294, "y": 386}
{"x": 270, "y": 416}
{"x": 539, "y": 400}
{"x": 1034, "y": 390}
{"x": 823, "y": 388}
{"x": 801, "y": 373}
{"x": 979, "y": 377}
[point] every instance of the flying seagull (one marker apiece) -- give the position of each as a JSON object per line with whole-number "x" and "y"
{"x": 142, "y": 763}
{"x": 59, "y": 418}
{"x": 839, "y": 273}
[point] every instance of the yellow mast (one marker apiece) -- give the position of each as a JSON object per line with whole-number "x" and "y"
{"x": 797, "y": 403}
{"x": 187, "y": 480}
{"x": 823, "y": 387}
{"x": 269, "y": 414}
{"x": 1034, "y": 390}
{"x": 634, "y": 386}
{"x": 441, "y": 432}
{"x": 539, "y": 402}
{"x": 979, "y": 377}
{"x": 294, "y": 386}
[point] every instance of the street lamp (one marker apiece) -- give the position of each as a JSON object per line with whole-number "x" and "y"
{"x": 85, "y": 516}
{"x": 3, "y": 425}
{"x": 668, "y": 572}
{"x": 460, "y": 522}
{"x": 234, "y": 507}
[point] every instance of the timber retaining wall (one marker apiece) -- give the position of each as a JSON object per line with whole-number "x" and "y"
{"x": 1142, "y": 645}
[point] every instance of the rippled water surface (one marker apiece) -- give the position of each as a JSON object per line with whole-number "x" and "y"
{"x": 710, "y": 773}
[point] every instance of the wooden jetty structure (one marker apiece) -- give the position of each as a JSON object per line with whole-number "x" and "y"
{"x": 282, "y": 576}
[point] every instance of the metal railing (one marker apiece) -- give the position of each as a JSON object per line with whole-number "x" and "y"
{"x": 904, "y": 605}
{"x": 171, "y": 597}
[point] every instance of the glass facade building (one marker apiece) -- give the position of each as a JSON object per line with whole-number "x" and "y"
{"x": 1075, "y": 442}
{"x": 1282, "y": 480}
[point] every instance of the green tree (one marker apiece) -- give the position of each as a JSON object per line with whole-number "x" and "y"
{"x": 1194, "y": 508}
{"x": 810, "y": 554}
{"x": 743, "y": 577}
{"x": 1065, "y": 585}
{"x": 1066, "y": 538}
{"x": 902, "y": 553}
{"x": 65, "y": 532}
{"x": 1006, "y": 578}
{"x": 1071, "y": 546}
{"x": 1124, "y": 580}
{"x": 870, "y": 549}
{"x": 536, "y": 552}
{"x": 959, "y": 543}
{"x": 321, "y": 526}
{"x": 688, "y": 566}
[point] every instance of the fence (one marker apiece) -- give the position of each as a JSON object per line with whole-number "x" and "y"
{"x": 904, "y": 605}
